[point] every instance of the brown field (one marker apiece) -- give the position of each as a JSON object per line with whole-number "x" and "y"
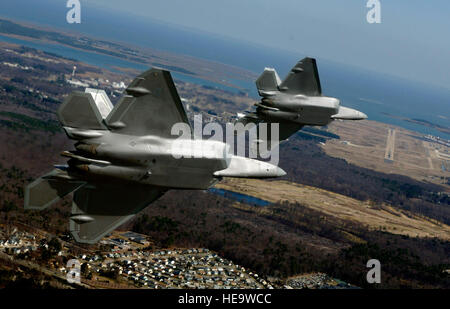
{"x": 376, "y": 217}
{"x": 363, "y": 143}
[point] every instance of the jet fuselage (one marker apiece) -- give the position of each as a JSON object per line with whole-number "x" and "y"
{"x": 307, "y": 110}
{"x": 157, "y": 161}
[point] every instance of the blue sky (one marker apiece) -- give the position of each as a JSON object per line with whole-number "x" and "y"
{"x": 412, "y": 41}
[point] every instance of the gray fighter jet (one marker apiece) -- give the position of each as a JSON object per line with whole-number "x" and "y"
{"x": 295, "y": 102}
{"x": 124, "y": 156}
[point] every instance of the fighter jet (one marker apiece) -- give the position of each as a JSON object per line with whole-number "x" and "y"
{"x": 124, "y": 156}
{"x": 296, "y": 101}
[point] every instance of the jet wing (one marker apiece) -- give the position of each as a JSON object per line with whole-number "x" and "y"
{"x": 99, "y": 209}
{"x": 303, "y": 79}
{"x": 287, "y": 129}
{"x": 267, "y": 142}
{"x": 151, "y": 107}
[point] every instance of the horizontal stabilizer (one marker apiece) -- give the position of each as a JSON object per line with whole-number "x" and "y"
{"x": 267, "y": 83}
{"x": 49, "y": 189}
{"x": 99, "y": 209}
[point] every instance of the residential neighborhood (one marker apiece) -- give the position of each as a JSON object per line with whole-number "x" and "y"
{"x": 127, "y": 260}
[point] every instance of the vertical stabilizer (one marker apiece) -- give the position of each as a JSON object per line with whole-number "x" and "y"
{"x": 268, "y": 82}
{"x": 80, "y": 111}
{"x": 102, "y": 101}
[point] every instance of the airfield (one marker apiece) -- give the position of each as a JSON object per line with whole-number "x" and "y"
{"x": 390, "y": 149}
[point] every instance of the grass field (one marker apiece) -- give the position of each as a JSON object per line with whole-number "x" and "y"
{"x": 377, "y": 217}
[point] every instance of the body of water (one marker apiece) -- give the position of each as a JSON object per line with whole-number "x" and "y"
{"x": 104, "y": 61}
{"x": 375, "y": 94}
{"x": 239, "y": 197}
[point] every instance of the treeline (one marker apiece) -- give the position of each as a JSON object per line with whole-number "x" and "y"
{"x": 307, "y": 163}
{"x": 27, "y": 123}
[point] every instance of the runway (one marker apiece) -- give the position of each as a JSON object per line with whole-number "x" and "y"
{"x": 390, "y": 146}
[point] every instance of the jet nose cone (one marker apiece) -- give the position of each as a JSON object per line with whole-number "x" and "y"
{"x": 272, "y": 170}
{"x": 280, "y": 172}
{"x": 362, "y": 115}
{"x": 346, "y": 113}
